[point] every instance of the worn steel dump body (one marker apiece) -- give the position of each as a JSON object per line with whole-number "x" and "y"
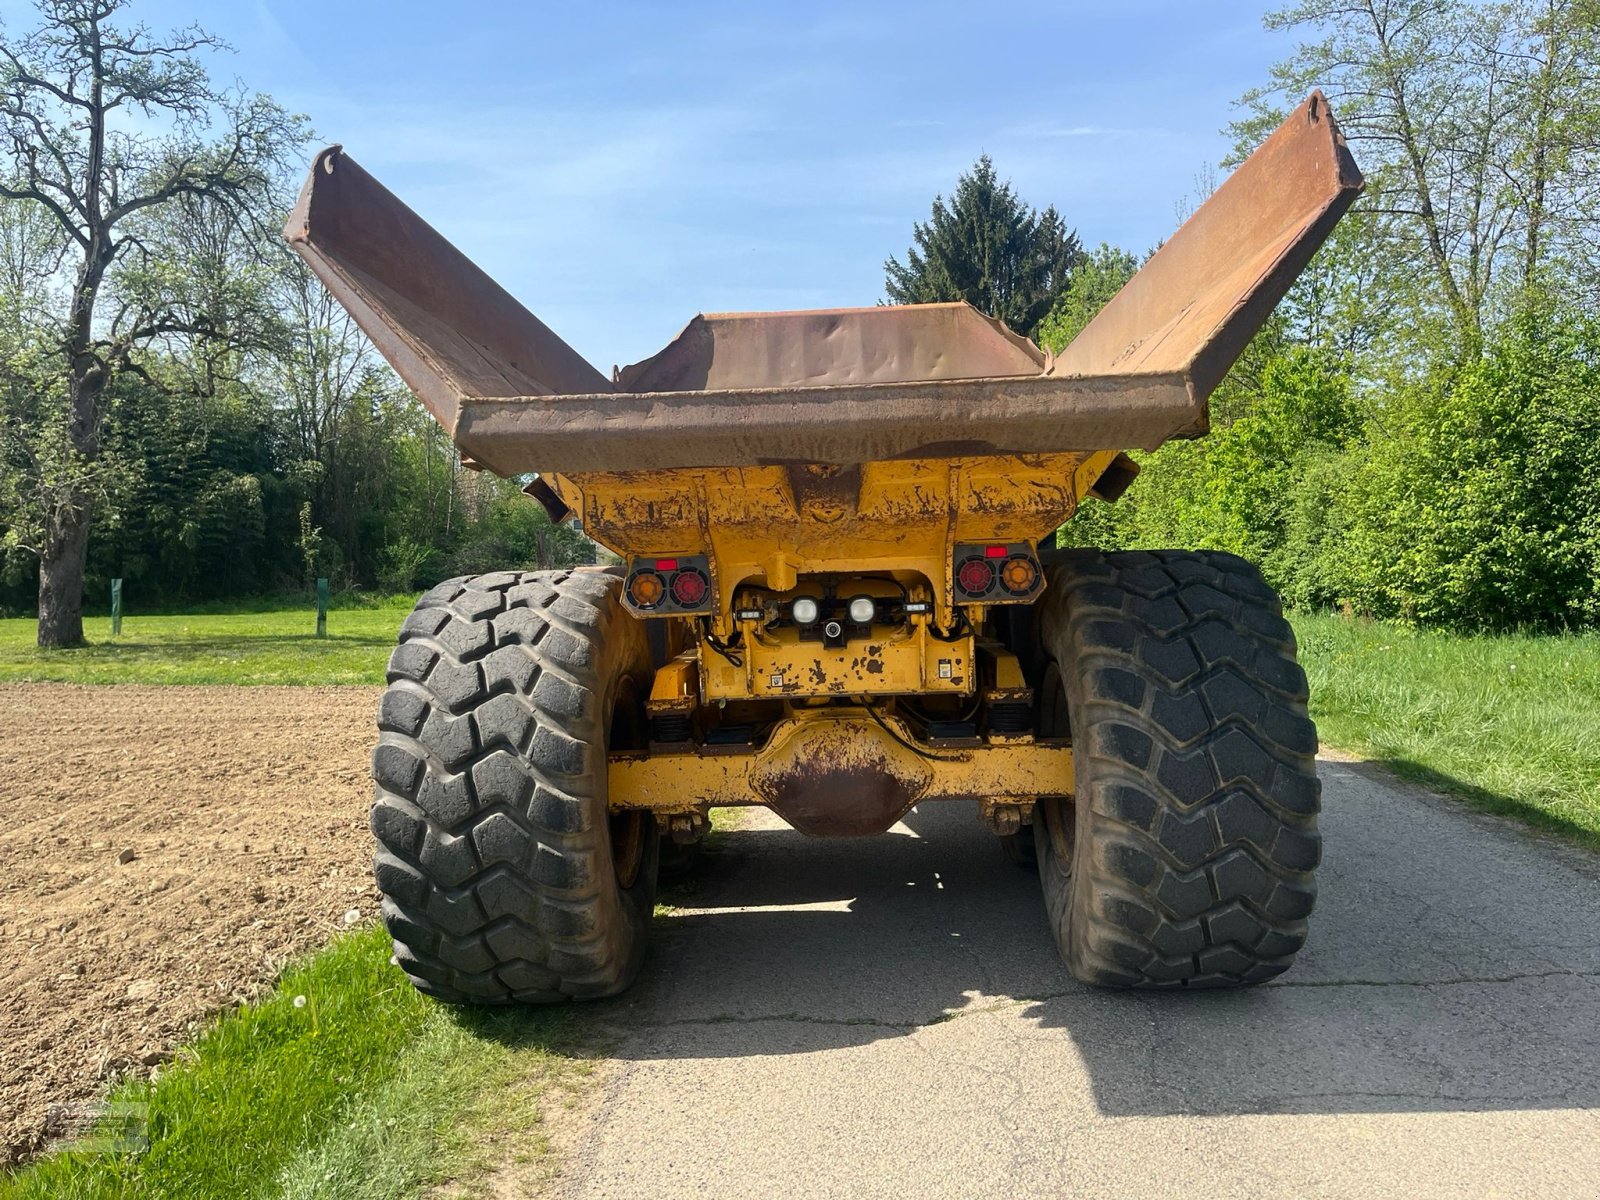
{"x": 843, "y": 386}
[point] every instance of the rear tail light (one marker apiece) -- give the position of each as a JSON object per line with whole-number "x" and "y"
{"x": 677, "y": 584}
{"x": 1019, "y": 575}
{"x": 975, "y": 578}
{"x": 989, "y": 573}
{"x": 689, "y": 587}
{"x": 645, "y": 589}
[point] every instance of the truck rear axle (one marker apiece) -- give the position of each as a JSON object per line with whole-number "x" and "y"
{"x": 845, "y": 770}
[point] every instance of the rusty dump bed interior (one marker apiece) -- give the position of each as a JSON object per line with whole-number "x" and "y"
{"x": 851, "y": 385}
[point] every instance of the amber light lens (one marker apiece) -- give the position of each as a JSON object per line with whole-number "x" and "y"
{"x": 645, "y": 589}
{"x": 1019, "y": 575}
{"x": 974, "y": 577}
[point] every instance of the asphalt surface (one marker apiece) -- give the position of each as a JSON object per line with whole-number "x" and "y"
{"x": 887, "y": 1018}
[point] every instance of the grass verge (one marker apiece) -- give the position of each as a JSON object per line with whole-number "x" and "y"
{"x": 1510, "y": 723}
{"x": 277, "y": 646}
{"x": 362, "y": 1089}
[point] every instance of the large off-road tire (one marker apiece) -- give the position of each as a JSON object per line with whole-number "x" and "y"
{"x": 503, "y": 876}
{"x": 1186, "y": 857}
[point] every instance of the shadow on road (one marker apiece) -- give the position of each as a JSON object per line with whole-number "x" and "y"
{"x": 1453, "y": 967}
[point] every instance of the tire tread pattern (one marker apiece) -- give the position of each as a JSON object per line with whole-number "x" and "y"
{"x": 493, "y": 848}
{"x": 1197, "y": 795}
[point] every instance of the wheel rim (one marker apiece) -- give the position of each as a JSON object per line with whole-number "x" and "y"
{"x": 627, "y": 828}
{"x": 627, "y": 846}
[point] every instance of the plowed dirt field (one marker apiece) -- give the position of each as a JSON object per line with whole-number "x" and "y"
{"x": 162, "y": 851}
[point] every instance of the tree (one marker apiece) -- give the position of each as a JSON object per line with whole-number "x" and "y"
{"x": 985, "y": 246}
{"x": 1478, "y": 127}
{"x": 1099, "y": 276}
{"x": 104, "y": 127}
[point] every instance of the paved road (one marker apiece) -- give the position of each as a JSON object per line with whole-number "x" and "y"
{"x": 886, "y": 1018}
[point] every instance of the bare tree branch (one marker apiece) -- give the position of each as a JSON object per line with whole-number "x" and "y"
{"x": 105, "y": 186}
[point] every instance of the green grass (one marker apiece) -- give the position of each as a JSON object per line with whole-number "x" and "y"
{"x": 1511, "y": 723}
{"x": 278, "y": 646}
{"x": 364, "y": 1090}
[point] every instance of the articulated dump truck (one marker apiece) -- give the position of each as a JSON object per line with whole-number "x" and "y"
{"x": 839, "y": 596}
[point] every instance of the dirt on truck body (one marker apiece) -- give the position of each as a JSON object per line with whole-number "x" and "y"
{"x": 837, "y": 600}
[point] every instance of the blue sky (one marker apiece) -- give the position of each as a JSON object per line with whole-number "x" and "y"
{"x": 622, "y": 166}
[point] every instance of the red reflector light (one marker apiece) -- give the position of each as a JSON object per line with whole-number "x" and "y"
{"x": 666, "y": 564}
{"x": 974, "y": 577}
{"x": 995, "y": 551}
{"x": 689, "y": 588}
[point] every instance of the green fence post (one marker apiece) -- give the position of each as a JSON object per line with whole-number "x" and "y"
{"x": 116, "y": 607}
{"x": 322, "y": 608}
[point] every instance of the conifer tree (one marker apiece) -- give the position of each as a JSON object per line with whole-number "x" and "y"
{"x": 985, "y": 246}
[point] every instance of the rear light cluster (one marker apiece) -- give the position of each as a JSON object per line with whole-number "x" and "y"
{"x": 1003, "y": 573}
{"x": 670, "y": 585}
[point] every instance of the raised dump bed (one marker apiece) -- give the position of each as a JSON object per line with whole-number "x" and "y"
{"x": 835, "y": 529}
{"x": 848, "y": 385}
